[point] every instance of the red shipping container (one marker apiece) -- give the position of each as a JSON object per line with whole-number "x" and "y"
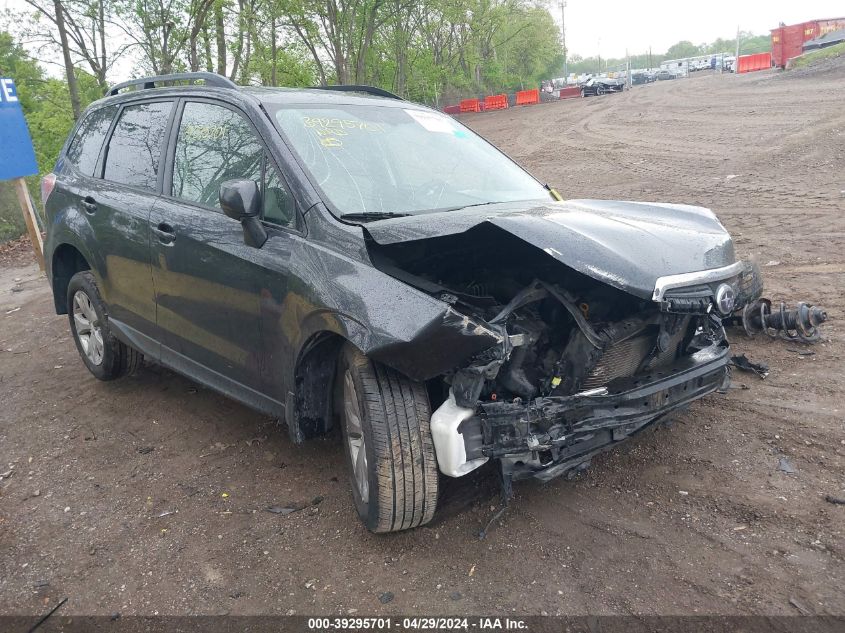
{"x": 788, "y": 41}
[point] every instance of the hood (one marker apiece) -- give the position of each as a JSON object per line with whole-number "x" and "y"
{"x": 627, "y": 245}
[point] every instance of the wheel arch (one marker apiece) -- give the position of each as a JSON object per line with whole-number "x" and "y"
{"x": 309, "y": 409}
{"x": 65, "y": 262}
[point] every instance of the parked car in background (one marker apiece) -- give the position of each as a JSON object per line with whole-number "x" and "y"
{"x": 663, "y": 75}
{"x": 596, "y": 86}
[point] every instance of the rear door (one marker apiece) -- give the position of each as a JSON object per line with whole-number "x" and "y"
{"x": 117, "y": 205}
{"x": 208, "y": 282}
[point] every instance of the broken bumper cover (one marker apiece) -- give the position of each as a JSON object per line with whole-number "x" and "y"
{"x": 550, "y": 436}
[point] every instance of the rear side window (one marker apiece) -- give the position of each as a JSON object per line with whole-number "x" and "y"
{"x": 85, "y": 148}
{"x": 215, "y": 144}
{"x": 135, "y": 146}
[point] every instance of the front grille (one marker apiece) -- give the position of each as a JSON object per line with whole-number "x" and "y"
{"x": 622, "y": 359}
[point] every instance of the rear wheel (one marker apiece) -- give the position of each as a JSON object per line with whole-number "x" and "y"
{"x": 387, "y": 439}
{"x": 103, "y": 355}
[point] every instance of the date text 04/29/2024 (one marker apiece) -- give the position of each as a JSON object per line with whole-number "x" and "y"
{"x": 417, "y": 624}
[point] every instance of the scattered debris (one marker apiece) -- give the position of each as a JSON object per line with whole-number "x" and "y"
{"x": 804, "y": 610}
{"x": 13, "y": 310}
{"x": 683, "y": 493}
{"x": 145, "y": 450}
{"x": 784, "y": 465}
{"x": 496, "y": 516}
{"x": 7, "y": 474}
{"x": 166, "y": 514}
{"x": 772, "y": 262}
{"x": 839, "y": 501}
{"x": 743, "y": 363}
{"x": 38, "y": 584}
{"x": 801, "y": 352}
{"x": 455, "y": 595}
{"x": 47, "y": 615}
{"x": 295, "y": 507}
{"x": 386, "y": 597}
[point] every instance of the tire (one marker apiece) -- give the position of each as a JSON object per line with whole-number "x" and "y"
{"x": 399, "y": 478}
{"x": 104, "y": 356}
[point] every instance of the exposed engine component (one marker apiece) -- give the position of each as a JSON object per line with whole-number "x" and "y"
{"x": 798, "y": 324}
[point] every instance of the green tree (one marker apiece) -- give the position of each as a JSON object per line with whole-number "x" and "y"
{"x": 683, "y": 49}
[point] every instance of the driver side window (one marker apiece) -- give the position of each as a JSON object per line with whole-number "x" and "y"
{"x": 215, "y": 144}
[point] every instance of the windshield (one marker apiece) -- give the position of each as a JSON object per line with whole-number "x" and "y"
{"x": 377, "y": 160}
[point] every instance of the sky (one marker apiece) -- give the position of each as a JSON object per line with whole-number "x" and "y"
{"x": 610, "y": 27}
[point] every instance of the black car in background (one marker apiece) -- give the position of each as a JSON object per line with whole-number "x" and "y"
{"x": 596, "y": 86}
{"x": 343, "y": 259}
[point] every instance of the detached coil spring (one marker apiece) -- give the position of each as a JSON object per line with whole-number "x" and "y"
{"x": 800, "y": 324}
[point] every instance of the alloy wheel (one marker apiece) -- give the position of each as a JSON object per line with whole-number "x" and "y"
{"x": 355, "y": 437}
{"x": 88, "y": 329}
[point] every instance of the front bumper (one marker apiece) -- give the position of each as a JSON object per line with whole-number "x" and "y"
{"x": 550, "y": 436}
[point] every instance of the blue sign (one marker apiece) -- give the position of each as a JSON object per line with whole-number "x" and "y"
{"x": 17, "y": 158}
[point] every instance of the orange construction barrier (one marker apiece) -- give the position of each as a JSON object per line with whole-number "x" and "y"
{"x": 751, "y": 63}
{"x": 496, "y": 102}
{"x": 470, "y": 105}
{"x": 570, "y": 92}
{"x": 527, "y": 97}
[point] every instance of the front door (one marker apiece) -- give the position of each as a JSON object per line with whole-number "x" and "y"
{"x": 207, "y": 280}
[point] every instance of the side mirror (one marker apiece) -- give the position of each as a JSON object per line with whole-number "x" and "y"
{"x": 241, "y": 201}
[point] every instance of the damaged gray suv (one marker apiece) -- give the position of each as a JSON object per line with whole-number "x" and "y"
{"x": 339, "y": 257}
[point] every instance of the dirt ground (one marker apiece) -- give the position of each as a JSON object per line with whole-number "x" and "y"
{"x": 694, "y": 518}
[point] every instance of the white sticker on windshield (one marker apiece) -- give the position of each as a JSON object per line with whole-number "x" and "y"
{"x": 431, "y": 121}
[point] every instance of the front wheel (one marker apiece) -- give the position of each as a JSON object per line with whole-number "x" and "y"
{"x": 387, "y": 439}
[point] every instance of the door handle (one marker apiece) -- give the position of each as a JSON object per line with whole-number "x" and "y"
{"x": 89, "y": 204}
{"x": 166, "y": 233}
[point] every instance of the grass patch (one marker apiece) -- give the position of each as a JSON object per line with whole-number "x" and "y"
{"x": 11, "y": 219}
{"x": 808, "y": 59}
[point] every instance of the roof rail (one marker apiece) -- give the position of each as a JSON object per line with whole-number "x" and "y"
{"x": 211, "y": 79}
{"x": 370, "y": 90}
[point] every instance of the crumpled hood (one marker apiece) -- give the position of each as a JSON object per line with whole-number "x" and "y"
{"x": 627, "y": 245}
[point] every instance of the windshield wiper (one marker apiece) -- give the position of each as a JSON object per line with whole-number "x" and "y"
{"x": 373, "y": 215}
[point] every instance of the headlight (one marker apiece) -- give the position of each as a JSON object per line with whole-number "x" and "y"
{"x": 725, "y": 299}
